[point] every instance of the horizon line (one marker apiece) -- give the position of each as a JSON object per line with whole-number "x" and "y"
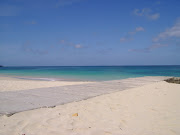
{"x": 85, "y": 65}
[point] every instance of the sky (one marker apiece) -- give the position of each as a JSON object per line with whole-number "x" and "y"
{"x": 89, "y": 32}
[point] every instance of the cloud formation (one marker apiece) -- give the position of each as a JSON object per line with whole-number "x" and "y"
{"x": 170, "y": 33}
{"x": 125, "y": 39}
{"x": 77, "y": 46}
{"x": 146, "y": 12}
{"x": 139, "y": 29}
{"x": 148, "y": 49}
{"x": 129, "y": 37}
{"x": 173, "y": 32}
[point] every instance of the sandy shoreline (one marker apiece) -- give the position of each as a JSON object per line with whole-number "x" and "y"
{"x": 15, "y": 84}
{"x": 152, "y": 109}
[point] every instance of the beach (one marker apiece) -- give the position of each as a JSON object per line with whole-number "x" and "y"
{"x": 144, "y": 110}
{"x": 89, "y": 67}
{"x": 15, "y": 84}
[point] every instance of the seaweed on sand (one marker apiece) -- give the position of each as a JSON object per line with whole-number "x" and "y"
{"x": 173, "y": 80}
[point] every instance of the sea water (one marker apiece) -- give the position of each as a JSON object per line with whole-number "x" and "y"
{"x": 90, "y": 73}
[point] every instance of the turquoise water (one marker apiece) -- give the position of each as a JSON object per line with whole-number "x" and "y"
{"x": 92, "y": 73}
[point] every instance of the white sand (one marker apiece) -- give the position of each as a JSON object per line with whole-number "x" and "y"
{"x": 13, "y": 84}
{"x": 148, "y": 110}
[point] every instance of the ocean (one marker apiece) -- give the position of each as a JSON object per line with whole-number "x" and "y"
{"x": 89, "y": 73}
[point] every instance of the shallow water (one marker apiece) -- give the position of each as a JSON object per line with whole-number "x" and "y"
{"x": 91, "y": 73}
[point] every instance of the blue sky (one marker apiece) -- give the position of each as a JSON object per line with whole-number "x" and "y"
{"x": 89, "y": 32}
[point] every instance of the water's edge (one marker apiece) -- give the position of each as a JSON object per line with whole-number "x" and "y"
{"x": 88, "y": 73}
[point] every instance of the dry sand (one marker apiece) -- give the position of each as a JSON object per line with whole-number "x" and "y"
{"x": 148, "y": 110}
{"x": 14, "y": 84}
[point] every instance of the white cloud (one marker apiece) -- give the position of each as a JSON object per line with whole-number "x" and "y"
{"x": 174, "y": 31}
{"x": 139, "y": 29}
{"x": 129, "y": 37}
{"x": 146, "y": 12}
{"x": 154, "y": 16}
{"x": 149, "y": 49}
{"x": 142, "y": 12}
{"x": 126, "y": 39}
{"x": 77, "y": 46}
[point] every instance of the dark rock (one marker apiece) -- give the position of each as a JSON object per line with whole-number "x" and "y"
{"x": 173, "y": 80}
